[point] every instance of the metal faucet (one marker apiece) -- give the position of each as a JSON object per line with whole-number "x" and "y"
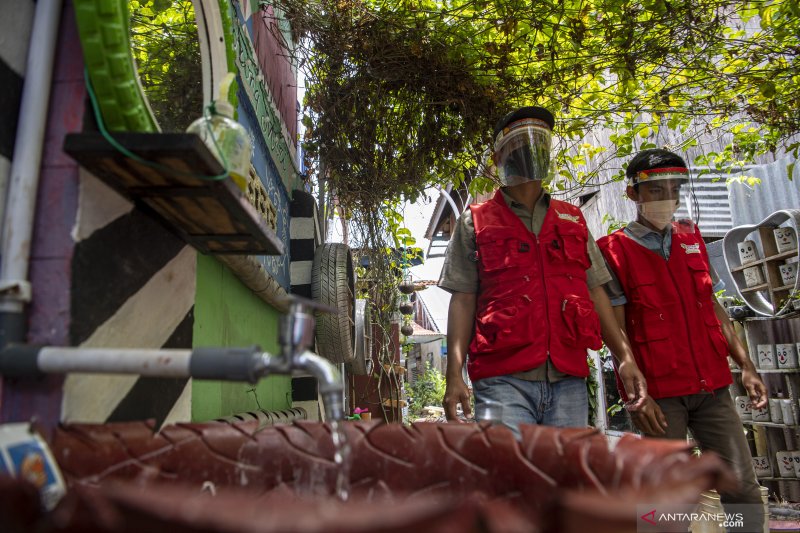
{"x": 296, "y": 336}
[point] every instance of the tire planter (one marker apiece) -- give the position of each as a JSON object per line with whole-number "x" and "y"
{"x": 426, "y": 477}
{"x": 362, "y": 360}
{"x": 333, "y": 284}
{"x": 103, "y": 26}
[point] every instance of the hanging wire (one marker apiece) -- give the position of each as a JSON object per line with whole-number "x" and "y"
{"x": 152, "y": 164}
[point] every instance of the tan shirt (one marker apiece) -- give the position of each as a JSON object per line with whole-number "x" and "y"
{"x": 460, "y": 272}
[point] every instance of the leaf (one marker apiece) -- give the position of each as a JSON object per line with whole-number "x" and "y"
{"x": 767, "y": 89}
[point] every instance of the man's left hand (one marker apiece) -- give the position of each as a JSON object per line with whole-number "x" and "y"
{"x": 634, "y": 384}
{"x": 755, "y": 388}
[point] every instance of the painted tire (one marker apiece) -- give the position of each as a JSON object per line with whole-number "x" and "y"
{"x": 104, "y": 32}
{"x": 333, "y": 284}
{"x": 362, "y": 360}
{"x": 103, "y": 26}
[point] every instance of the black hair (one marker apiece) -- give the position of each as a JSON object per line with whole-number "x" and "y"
{"x": 525, "y": 112}
{"x": 653, "y": 158}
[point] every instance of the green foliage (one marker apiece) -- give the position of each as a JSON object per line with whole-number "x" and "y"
{"x": 615, "y": 408}
{"x": 613, "y": 223}
{"x": 402, "y": 95}
{"x": 591, "y": 389}
{"x": 428, "y": 389}
{"x": 167, "y": 53}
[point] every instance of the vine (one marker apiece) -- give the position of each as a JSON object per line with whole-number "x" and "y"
{"x": 403, "y": 95}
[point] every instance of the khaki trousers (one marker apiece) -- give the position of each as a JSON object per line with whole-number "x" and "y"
{"x": 715, "y": 426}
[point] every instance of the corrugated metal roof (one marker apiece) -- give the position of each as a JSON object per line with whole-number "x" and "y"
{"x": 714, "y": 213}
{"x": 752, "y": 204}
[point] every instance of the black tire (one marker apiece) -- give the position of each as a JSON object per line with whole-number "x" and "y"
{"x": 333, "y": 284}
{"x": 362, "y": 360}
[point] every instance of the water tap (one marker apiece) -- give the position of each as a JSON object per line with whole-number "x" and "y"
{"x": 296, "y": 337}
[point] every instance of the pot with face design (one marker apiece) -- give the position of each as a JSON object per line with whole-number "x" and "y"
{"x": 747, "y": 252}
{"x": 785, "y": 239}
{"x": 753, "y": 276}
{"x": 788, "y": 273}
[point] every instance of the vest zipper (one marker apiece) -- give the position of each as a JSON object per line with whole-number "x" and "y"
{"x": 546, "y": 301}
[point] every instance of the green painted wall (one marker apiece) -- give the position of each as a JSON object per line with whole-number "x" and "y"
{"x": 226, "y": 313}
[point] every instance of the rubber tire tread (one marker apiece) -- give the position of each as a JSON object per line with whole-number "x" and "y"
{"x": 103, "y": 26}
{"x": 363, "y": 341}
{"x": 333, "y": 284}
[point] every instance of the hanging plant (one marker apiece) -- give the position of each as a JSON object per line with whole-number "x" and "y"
{"x": 406, "y": 309}
{"x": 406, "y": 287}
{"x": 407, "y": 329}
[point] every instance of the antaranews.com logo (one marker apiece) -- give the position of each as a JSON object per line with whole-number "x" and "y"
{"x": 677, "y": 518}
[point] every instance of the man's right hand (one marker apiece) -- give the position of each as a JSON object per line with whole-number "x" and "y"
{"x": 650, "y": 419}
{"x": 456, "y": 392}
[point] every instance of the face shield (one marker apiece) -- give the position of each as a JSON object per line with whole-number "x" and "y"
{"x": 522, "y": 152}
{"x": 659, "y": 196}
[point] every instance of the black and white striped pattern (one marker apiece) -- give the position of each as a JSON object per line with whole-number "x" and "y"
{"x": 304, "y": 235}
{"x": 123, "y": 267}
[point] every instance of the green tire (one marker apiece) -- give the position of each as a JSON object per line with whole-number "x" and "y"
{"x": 103, "y": 27}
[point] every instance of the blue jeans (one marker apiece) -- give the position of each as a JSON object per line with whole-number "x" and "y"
{"x": 562, "y": 404}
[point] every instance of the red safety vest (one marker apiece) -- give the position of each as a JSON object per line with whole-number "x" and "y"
{"x": 533, "y": 300}
{"x": 674, "y": 333}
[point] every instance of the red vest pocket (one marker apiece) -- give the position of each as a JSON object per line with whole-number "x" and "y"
{"x": 572, "y": 239}
{"x": 499, "y": 255}
{"x": 700, "y": 275}
{"x": 501, "y": 325}
{"x": 582, "y": 325}
{"x": 651, "y": 335}
{"x": 718, "y": 340}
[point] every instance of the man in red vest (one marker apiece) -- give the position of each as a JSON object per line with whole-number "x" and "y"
{"x": 663, "y": 296}
{"x": 527, "y": 300}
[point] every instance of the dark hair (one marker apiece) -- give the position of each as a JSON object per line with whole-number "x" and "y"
{"x": 525, "y": 112}
{"x": 653, "y": 158}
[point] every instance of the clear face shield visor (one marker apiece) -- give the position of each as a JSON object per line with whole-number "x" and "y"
{"x": 659, "y": 197}
{"x": 522, "y": 153}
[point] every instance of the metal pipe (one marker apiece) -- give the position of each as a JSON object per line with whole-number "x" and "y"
{"x": 296, "y": 335}
{"x": 159, "y": 363}
{"x": 15, "y": 289}
{"x": 229, "y": 364}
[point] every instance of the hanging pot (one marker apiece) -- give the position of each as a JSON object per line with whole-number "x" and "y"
{"x": 406, "y": 287}
{"x": 407, "y": 329}
{"x": 406, "y": 309}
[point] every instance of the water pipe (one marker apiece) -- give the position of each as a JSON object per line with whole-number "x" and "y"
{"x": 15, "y": 289}
{"x": 228, "y": 364}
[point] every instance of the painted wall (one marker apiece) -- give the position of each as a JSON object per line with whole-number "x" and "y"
{"x": 106, "y": 274}
{"x": 52, "y": 246}
{"x": 228, "y": 314}
{"x": 275, "y": 64}
{"x": 276, "y": 265}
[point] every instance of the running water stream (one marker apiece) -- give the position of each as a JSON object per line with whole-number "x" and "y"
{"x": 341, "y": 457}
